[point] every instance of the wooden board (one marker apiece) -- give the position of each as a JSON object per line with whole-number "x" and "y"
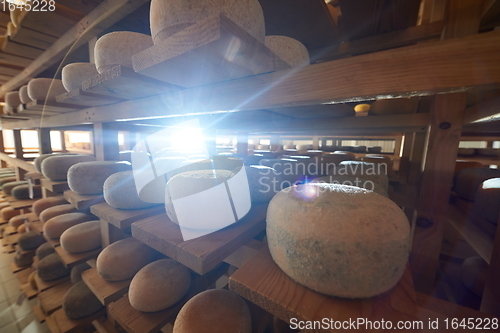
{"x": 32, "y": 217}
{"x": 205, "y": 53}
{"x": 29, "y": 292}
{"x": 40, "y": 316}
{"x": 82, "y": 202}
{"x": 14, "y": 268}
{"x": 134, "y": 321}
{"x": 86, "y": 99}
{"x": 20, "y": 204}
{"x": 51, "y": 106}
{"x": 53, "y": 242}
{"x": 51, "y": 324}
{"x": 105, "y": 291}
{"x": 44, "y": 285}
{"x": 121, "y": 218}
{"x": 51, "y": 299}
{"x": 70, "y": 260}
{"x": 54, "y": 186}
{"x": 37, "y": 226}
{"x": 262, "y": 282}
{"x": 204, "y": 253}
{"x": 11, "y": 240}
{"x": 32, "y": 110}
{"x": 22, "y": 276}
{"x": 66, "y": 325}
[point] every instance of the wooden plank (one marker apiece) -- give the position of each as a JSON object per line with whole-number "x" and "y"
{"x": 43, "y": 22}
{"x": 11, "y": 240}
{"x": 11, "y": 71}
{"x": 36, "y": 226}
{"x": 70, "y": 260}
{"x": 102, "y": 326}
{"x": 82, "y": 202}
{"x": 105, "y": 291}
{"x": 33, "y": 38}
{"x": 53, "y": 242}
{"x": 121, "y": 218}
{"x": 51, "y": 299}
{"x": 52, "y": 325}
{"x": 14, "y": 268}
{"x": 51, "y": 106}
{"x": 20, "y": 204}
{"x": 134, "y": 321}
{"x": 54, "y": 186}
{"x": 286, "y": 299}
{"x": 34, "y": 110}
{"x": 21, "y": 50}
{"x": 44, "y": 285}
{"x": 22, "y": 276}
{"x": 28, "y": 291}
{"x": 85, "y": 99}
{"x": 488, "y": 108}
{"x": 40, "y": 316}
{"x": 242, "y": 255}
{"x": 203, "y": 253}
{"x": 10, "y": 59}
{"x": 203, "y": 53}
{"x": 66, "y": 325}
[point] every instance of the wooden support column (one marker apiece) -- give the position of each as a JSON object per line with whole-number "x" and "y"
{"x": 324, "y": 142}
{"x": 18, "y": 144}
{"x": 110, "y": 233}
{"x": 404, "y": 161}
{"x": 44, "y": 141}
{"x": 315, "y": 144}
{"x": 3, "y": 164}
{"x": 63, "y": 142}
{"x": 242, "y": 144}
{"x": 105, "y": 142}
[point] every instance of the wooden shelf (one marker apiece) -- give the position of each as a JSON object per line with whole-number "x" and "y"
{"x": 40, "y": 316}
{"x": 70, "y": 260}
{"x": 66, "y": 325}
{"x": 51, "y": 299}
{"x": 286, "y": 299}
{"x": 37, "y": 226}
{"x": 54, "y": 186}
{"x": 44, "y": 285}
{"x": 22, "y": 276}
{"x": 21, "y": 204}
{"x": 54, "y": 242}
{"x": 86, "y": 99}
{"x": 204, "y": 253}
{"x": 50, "y": 106}
{"x": 82, "y": 202}
{"x": 121, "y": 218}
{"x": 134, "y": 321}
{"x": 32, "y": 217}
{"x": 10, "y": 240}
{"x": 14, "y": 268}
{"x": 105, "y": 291}
{"x": 28, "y": 291}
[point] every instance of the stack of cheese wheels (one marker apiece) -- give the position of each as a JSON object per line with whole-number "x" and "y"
{"x": 45, "y": 89}
{"x": 23, "y": 94}
{"x": 22, "y": 192}
{"x": 74, "y": 74}
{"x": 366, "y": 171}
{"x": 80, "y": 302}
{"x": 468, "y": 180}
{"x": 42, "y": 204}
{"x": 120, "y": 192}
{"x": 228, "y": 313}
{"x": 374, "y": 149}
{"x": 89, "y": 177}
{"x": 38, "y": 160}
{"x": 56, "y": 167}
{"x": 54, "y": 227}
{"x": 159, "y": 285}
{"x": 8, "y": 212}
{"x": 53, "y": 211}
{"x": 51, "y": 268}
{"x": 117, "y": 48}
{"x": 12, "y": 99}
{"x": 82, "y": 237}
{"x": 169, "y": 17}
{"x": 318, "y": 240}
{"x": 7, "y": 187}
{"x": 290, "y": 50}
{"x": 123, "y": 259}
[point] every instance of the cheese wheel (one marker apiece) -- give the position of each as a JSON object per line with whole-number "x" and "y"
{"x": 12, "y": 99}
{"x": 40, "y": 205}
{"x": 159, "y": 285}
{"x": 45, "y": 89}
{"x": 302, "y": 148}
{"x": 32, "y": 281}
{"x": 374, "y": 149}
{"x": 123, "y": 259}
{"x": 51, "y": 212}
{"x": 264, "y": 182}
{"x": 76, "y": 272}
{"x": 74, "y": 74}
{"x": 466, "y": 151}
{"x": 16, "y": 221}
{"x": 80, "y": 302}
{"x": 44, "y": 250}
{"x": 39, "y": 159}
{"x": 30, "y": 240}
{"x": 359, "y": 149}
{"x": 357, "y": 181}
{"x": 54, "y": 227}
{"x": 118, "y": 47}
{"x": 228, "y": 313}
{"x": 169, "y": 17}
{"x": 22, "y": 192}
{"x": 8, "y": 212}
{"x": 8, "y": 180}
{"x": 82, "y": 237}
{"x": 120, "y": 192}
{"x": 52, "y": 268}
{"x": 487, "y": 200}
{"x": 474, "y": 272}
{"x": 23, "y": 94}
{"x": 488, "y": 151}
{"x": 369, "y": 171}
{"x": 318, "y": 239}
{"x": 7, "y": 187}
{"x": 290, "y": 50}
{"x": 22, "y": 259}
{"x": 468, "y": 180}
{"x": 21, "y": 229}
{"x": 56, "y": 167}
{"x": 88, "y": 177}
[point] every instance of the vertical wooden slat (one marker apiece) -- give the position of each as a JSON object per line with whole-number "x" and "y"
{"x": 18, "y": 144}
{"x": 242, "y": 144}
{"x": 3, "y": 164}
{"x": 105, "y": 142}
{"x": 44, "y": 141}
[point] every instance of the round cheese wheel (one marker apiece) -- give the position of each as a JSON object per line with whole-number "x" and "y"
{"x": 169, "y": 17}
{"x": 468, "y": 180}
{"x": 118, "y": 47}
{"x": 52, "y": 268}
{"x": 12, "y": 99}
{"x": 369, "y": 171}
{"x": 51, "y": 212}
{"x": 487, "y": 200}
{"x": 302, "y": 148}
{"x": 7, "y": 187}
{"x": 23, "y": 259}
{"x": 21, "y": 229}
{"x": 32, "y": 281}
{"x": 318, "y": 239}
{"x": 264, "y": 182}
{"x": 44, "y": 250}
{"x": 45, "y": 89}
{"x": 80, "y": 302}
{"x": 228, "y": 313}
{"x": 89, "y": 177}
{"x": 7, "y": 180}
{"x": 460, "y": 165}
{"x": 74, "y": 74}
{"x": 18, "y": 220}
{"x": 23, "y": 94}
{"x": 30, "y": 240}
{"x": 290, "y": 50}
{"x": 357, "y": 181}
{"x": 374, "y": 149}
{"x": 82, "y": 237}
{"x": 8, "y": 212}
{"x": 159, "y": 285}
{"x": 488, "y": 151}
{"x": 76, "y": 272}
{"x": 54, "y": 227}
{"x": 39, "y": 159}
{"x": 123, "y": 259}
{"x": 359, "y": 149}
{"x": 56, "y": 167}
{"x": 40, "y": 205}
{"x": 120, "y": 192}
{"x": 22, "y": 192}
{"x": 474, "y": 272}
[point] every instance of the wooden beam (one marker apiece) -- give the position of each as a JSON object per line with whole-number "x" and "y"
{"x": 97, "y": 21}
{"x": 483, "y": 127}
{"x": 242, "y": 144}
{"x": 44, "y": 141}
{"x": 105, "y": 143}
{"x": 21, "y": 50}
{"x": 18, "y": 145}
{"x": 33, "y": 38}
{"x": 484, "y": 109}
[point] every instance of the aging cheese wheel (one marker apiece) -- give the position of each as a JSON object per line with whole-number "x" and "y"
{"x": 169, "y": 17}
{"x": 353, "y": 181}
{"x": 120, "y": 192}
{"x": 338, "y": 240}
{"x": 468, "y": 180}
{"x": 374, "y": 149}
{"x": 32, "y": 281}
{"x": 264, "y": 182}
{"x": 45, "y": 89}
{"x": 466, "y": 151}
{"x": 89, "y": 177}
{"x": 76, "y": 272}
{"x": 42, "y": 204}
{"x": 16, "y": 221}
{"x": 21, "y": 229}
{"x": 23, "y": 94}
{"x": 82, "y": 237}
{"x": 38, "y": 160}
{"x": 8, "y": 212}
{"x": 80, "y": 302}
{"x": 122, "y": 259}
{"x": 23, "y": 259}
{"x": 214, "y": 311}
{"x": 7, "y": 187}
{"x": 56, "y": 167}
{"x": 22, "y": 192}
{"x": 30, "y": 240}
{"x": 54, "y": 227}
{"x": 159, "y": 285}
{"x": 74, "y": 74}
{"x": 52, "y": 268}
{"x": 118, "y": 47}
{"x": 370, "y": 171}
{"x": 7, "y": 180}
{"x": 44, "y": 250}
{"x": 12, "y": 99}
{"x": 487, "y": 200}
{"x": 51, "y": 212}
{"x": 290, "y": 50}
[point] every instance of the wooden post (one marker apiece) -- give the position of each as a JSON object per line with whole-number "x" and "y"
{"x": 3, "y": 164}
{"x": 404, "y": 161}
{"x": 63, "y": 142}
{"x": 242, "y": 144}
{"x": 324, "y": 142}
{"x": 44, "y": 142}
{"x": 18, "y": 144}
{"x": 110, "y": 233}
{"x": 105, "y": 142}
{"x": 315, "y": 144}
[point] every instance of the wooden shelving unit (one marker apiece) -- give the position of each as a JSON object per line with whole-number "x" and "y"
{"x": 105, "y": 291}
{"x": 70, "y": 260}
{"x": 82, "y": 202}
{"x": 66, "y": 325}
{"x": 123, "y": 219}
{"x": 54, "y": 186}
{"x": 44, "y": 285}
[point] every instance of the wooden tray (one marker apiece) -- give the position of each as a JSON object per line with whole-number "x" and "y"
{"x": 70, "y": 260}
{"x": 121, "y": 218}
{"x": 44, "y": 285}
{"x": 262, "y": 282}
{"x": 105, "y": 291}
{"x": 54, "y": 186}
{"x": 51, "y": 299}
{"x": 134, "y": 321}
{"x": 82, "y": 202}
{"x": 204, "y": 253}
